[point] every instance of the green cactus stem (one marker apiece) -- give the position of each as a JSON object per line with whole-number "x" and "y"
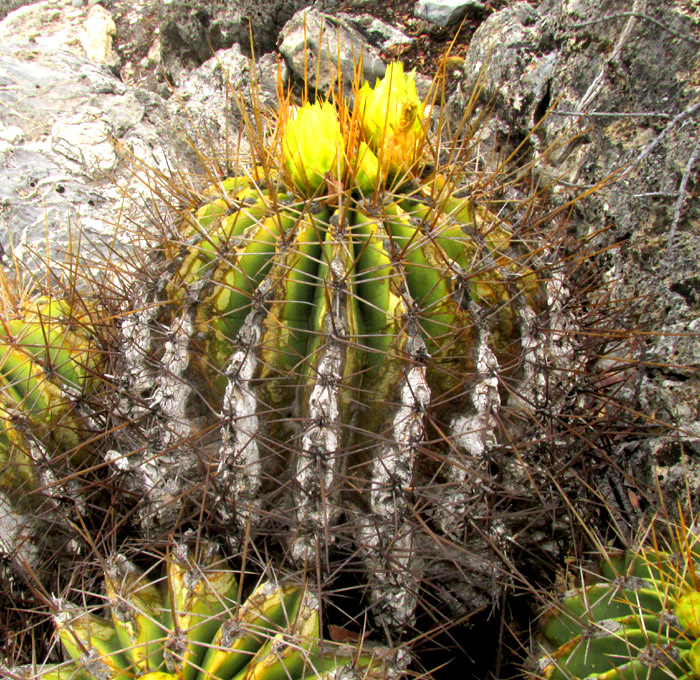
{"x": 333, "y": 310}
{"x": 50, "y": 359}
{"x": 190, "y": 625}
{"x": 640, "y": 622}
{"x": 323, "y": 345}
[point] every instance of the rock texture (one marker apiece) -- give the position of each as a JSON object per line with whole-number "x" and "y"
{"x": 625, "y": 81}
{"x": 69, "y": 133}
{"x": 190, "y": 30}
{"x": 61, "y": 116}
{"x": 446, "y": 12}
{"x": 58, "y": 24}
{"x": 321, "y": 44}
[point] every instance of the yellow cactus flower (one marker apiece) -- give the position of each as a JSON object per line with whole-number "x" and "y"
{"x": 392, "y": 118}
{"x": 366, "y": 169}
{"x": 312, "y": 146}
{"x": 688, "y": 613}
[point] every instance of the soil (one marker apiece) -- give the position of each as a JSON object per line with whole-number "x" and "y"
{"x": 431, "y": 43}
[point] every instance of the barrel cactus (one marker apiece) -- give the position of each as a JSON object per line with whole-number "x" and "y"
{"x": 192, "y": 624}
{"x": 317, "y": 353}
{"x": 51, "y": 359}
{"x": 640, "y": 620}
{"x": 327, "y": 328}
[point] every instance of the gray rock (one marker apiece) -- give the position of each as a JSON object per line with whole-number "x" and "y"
{"x": 211, "y": 94}
{"x": 62, "y": 25}
{"x": 191, "y": 31}
{"x": 518, "y": 70}
{"x": 378, "y": 32}
{"x": 66, "y": 126}
{"x": 316, "y": 39}
{"x": 627, "y": 87}
{"x": 69, "y": 131}
{"x": 446, "y": 12}
{"x": 10, "y": 6}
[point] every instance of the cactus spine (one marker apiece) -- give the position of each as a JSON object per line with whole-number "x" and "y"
{"x": 330, "y": 304}
{"x": 325, "y": 336}
{"x": 50, "y": 358}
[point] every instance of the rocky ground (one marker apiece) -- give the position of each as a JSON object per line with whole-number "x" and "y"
{"x": 603, "y": 99}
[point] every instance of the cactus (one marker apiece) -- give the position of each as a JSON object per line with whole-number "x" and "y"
{"x": 318, "y": 353}
{"x": 50, "y": 357}
{"x": 342, "y": 306}
{"x": 191, "y": 625}
{"x": 640, "y": 620}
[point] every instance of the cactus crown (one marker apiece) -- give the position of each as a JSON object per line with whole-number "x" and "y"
{"x": 191, "y": 625}
{"x": 382, "y": 139}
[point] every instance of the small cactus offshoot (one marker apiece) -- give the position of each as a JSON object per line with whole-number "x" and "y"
{"x": 191, "y": 625}
{"x": 641, "y": 620}
{"x": 49, "y": 359}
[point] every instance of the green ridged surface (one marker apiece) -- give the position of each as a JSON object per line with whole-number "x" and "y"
{"x": 49, "y": 358}
{"x": 189, "y": 625}
{"x": 640, "y": 623}
{"x": 325, "y": 335}
{"x": 404, "y": 265}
